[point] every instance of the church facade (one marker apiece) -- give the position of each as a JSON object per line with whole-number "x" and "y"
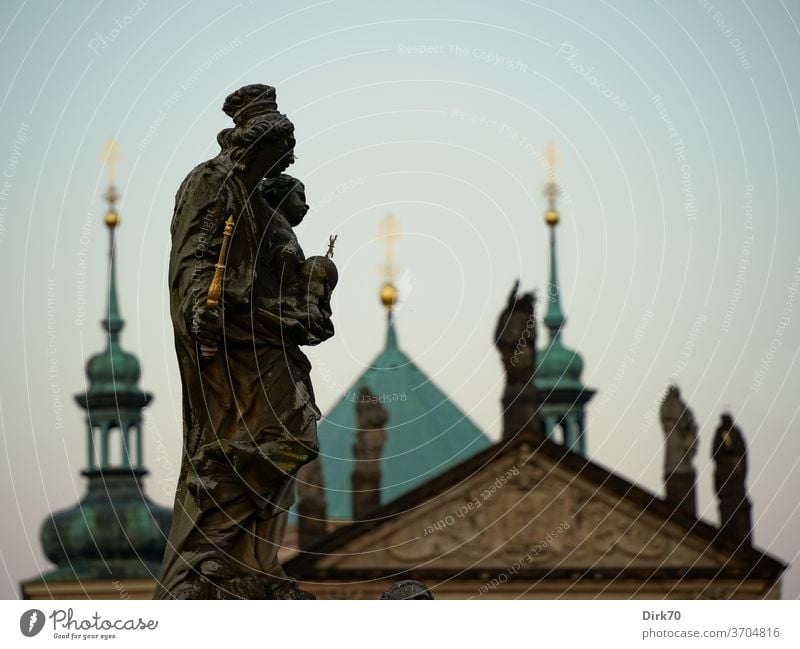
{"x": 530, "y": 516}
{"x": 530, "y": 519}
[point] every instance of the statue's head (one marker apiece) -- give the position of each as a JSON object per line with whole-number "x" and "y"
{"x": 262, "y": 139}
{"x": 728, "y": 439}
{"x": 672, "y": 407}
{"x": 515, "y": 334}
{"x": 287, "y": 195}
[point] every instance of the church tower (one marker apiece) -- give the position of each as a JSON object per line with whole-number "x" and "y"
{"x": 109, "y": 545}
{"x": 558, "y": 369}
{"x": 401, "y": 427}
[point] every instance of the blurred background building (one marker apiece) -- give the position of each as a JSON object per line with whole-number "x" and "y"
{"x": 408, "y": 487}
{"x": 111, "y": 543}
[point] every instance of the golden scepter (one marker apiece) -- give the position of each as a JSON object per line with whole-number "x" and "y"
{"x": 215, "y": 289}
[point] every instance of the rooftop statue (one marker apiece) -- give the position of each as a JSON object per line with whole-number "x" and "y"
{"x": 680, "y": 432}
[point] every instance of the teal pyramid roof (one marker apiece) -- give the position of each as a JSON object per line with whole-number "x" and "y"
{"x": 426, "y": 432}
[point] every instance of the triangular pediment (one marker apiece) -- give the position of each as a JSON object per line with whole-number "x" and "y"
{"x": 525, "y": 508}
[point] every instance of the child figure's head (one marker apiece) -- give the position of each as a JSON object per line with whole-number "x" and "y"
{"x": 287, "y": 195}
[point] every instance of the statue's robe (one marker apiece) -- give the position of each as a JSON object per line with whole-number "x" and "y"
{"x": 249, "y": 416}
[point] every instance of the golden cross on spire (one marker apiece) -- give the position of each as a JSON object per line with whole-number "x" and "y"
{"x": 552, "y": 158}
{"x": 110, "y": 159}
{"x": 389, "y": 231}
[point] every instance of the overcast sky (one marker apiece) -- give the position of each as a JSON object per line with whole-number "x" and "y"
{"x": 679, "y": 253}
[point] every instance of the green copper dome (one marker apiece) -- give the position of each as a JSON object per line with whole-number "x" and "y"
{"x": 115, "y": 528}
{"x": 425, "y": 434}
{"x": 115, "y": 531}
{"x": 113, "y": 370}
{"x": 558, "y": 368}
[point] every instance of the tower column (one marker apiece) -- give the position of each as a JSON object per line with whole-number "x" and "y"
{"x": 570, "y": 436}
{"x": 139, "y": 450}
{"x": 104, "y": 428}
{"x": 125, "y": 434}
{"x": 90, "y": 460}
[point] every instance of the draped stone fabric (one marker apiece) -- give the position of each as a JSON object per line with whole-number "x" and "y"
{"x": 249, "y": 416}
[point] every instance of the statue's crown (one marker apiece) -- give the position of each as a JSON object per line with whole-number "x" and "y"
{"x": 250, "y": 101}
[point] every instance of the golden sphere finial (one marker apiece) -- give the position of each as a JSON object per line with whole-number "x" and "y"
{"x": 112, "y": 219}
{"x": 388, "y": 295}
{"x": 551, "y": 217}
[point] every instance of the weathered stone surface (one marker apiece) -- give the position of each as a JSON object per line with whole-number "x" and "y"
{"x": 248, "y": 411}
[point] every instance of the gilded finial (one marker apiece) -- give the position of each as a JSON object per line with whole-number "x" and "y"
{"x": 552, "y": 158}
{"x": 110, "y": 158}
{"x": 390, "y": 233}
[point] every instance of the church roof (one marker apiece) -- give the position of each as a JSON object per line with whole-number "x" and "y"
{"x": 555, "y": 516}
{"x": 426, "y": 432}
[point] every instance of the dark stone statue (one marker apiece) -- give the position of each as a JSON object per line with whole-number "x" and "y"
{"x": 311, "y": 506}
{"x": 680, "y": 433}
{"x": 729, "y": 452}
{"x": 371, "y": 418}
{"x": 249, "y": 416}
{"x": 407, "y": 589}
{"x": 515, "y": 338}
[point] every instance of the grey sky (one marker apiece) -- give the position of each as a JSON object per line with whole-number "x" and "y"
{"x": 678, "y": 247}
